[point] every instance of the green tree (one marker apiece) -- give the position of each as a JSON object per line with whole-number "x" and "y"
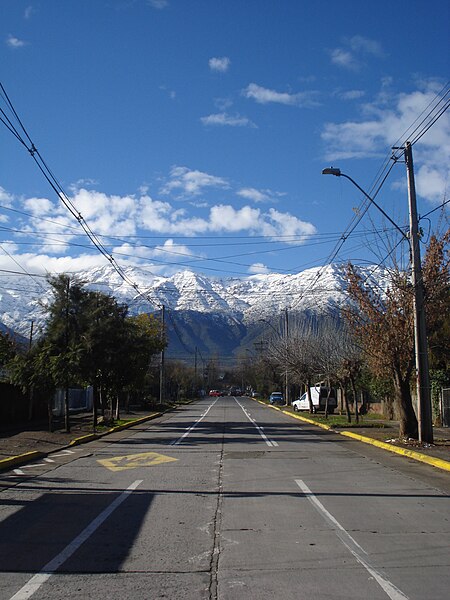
{"x": 7, "y": 348}
{"x": 62, "y": 348}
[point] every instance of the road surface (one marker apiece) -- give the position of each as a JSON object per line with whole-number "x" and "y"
{"x": 225, "y": 499}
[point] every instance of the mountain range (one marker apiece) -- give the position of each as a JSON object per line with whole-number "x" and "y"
{"x": 215, "y": 315}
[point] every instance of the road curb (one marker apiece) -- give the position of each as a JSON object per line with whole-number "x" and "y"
{"x": 429, "y": 460}
{"x": 96, "y": 436}
{"x": 21, "y": 459}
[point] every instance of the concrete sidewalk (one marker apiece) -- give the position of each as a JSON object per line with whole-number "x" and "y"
{"x": 23, "y": 443}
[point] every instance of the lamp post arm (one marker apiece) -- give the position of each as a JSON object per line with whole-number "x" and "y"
{"x": 376, "y": 205}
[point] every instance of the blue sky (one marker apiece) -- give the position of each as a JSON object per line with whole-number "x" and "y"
{"x": 191, "y": 134}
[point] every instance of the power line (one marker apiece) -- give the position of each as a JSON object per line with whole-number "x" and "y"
{"x": 58, "y": 189}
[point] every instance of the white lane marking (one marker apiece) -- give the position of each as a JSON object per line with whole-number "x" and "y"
{"x": 351, "y": 544}
{"x": 19, "y": 472}
{"x": 64, "y": 453}
{"x": 46, "y": 572}
{"x": 34, "y": 465}
{"x": 258, "y": 427}
{"x": 49, "y": 460}
{"x": 188, "y": 431}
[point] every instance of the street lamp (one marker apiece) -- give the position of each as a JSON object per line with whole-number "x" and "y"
{"x": 338, "y": 173}
{"x": 420, "y": 332}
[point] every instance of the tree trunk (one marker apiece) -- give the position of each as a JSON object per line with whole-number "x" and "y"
{"x": 355, "y": 399}
{"x": 66, "y": 409}
{"x": 308, "y": 393}
{"x": 94, "y": 407}
{"x": 30, "y": 402}
{"x": 117, "y": 412}
{"x": 102, "y": 402}
{"x": 327, "y": 398}
{"x": 408, "y": 427}
{"x": 347, "y": 406}
{"x": 50, "y": 412}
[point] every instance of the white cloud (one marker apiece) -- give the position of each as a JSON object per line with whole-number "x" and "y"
{"x": 107, "y": 214}
{"x": 263, "y": 95}
{"x": 361, "y": 44}
{"x": 431, "y": 183}
{"x": 286, "y": 227}
{"x": 351, "y": 94}
{"x": 56, "y": 237}
{"x": 191, "y": 182}
{"x": 223, "y": 104}
{"x": 113, "y": 215}
{"x": 171, "y": 93}
{"x": 44, "y": 263}
{"x": 389, "y": 120}
{"x": 356, "y": 47}
{"x": 29, "y": 12}
{"x": 39, "y": 206}
{"x": 224, "y": 119}
{"x": 14, "y": 42}
{"x": 159, "y": 4}
{"x": 8, "y": 247}
{"x": 223, "y": 218}
{"x": 227, "y": 218}
{"x": 255, "y": 195}
{"x": 6, "y": 199}
{"x": 219, "y": 64}
{"x": 343, "y": 58}
{"x": 168, "y": 252}
{"x": 172, "y": 252}
{"x": 258, "y": 269}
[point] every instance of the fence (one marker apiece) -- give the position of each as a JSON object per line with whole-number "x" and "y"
{"x": 79, "y": 400}
{"x": 445, "y": 407}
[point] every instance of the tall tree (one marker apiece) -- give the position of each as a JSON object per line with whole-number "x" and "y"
{"x": 383, "y": 322}
{"x": 7, "y": 348}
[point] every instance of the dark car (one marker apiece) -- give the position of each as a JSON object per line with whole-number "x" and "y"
{"x": 276, "y": 398}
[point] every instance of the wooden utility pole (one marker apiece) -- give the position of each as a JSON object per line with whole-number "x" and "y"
{"x": 66, "y": 391}
{"x": 286, "y": 375}
{"x": 420, "y": 327}
{"x": 161, "y": 366}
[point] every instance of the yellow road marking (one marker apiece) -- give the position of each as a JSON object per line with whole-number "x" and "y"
{"x": 134, "y": 461}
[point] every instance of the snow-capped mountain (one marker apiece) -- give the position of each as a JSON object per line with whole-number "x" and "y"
{"x": 212, "y": 313}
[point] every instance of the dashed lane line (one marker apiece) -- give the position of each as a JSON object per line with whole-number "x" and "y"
{"x": 258, "y": 427}
{"x": 193, "y": 426}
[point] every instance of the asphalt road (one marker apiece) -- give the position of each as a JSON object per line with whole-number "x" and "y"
{"x": 227, "y": 499}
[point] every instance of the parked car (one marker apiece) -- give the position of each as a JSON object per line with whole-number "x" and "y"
{"x": 276, "y": 398}
{"x": 235, "y": 391}
{"x": 214, "y": 393}
{"x": 319, "y": 395}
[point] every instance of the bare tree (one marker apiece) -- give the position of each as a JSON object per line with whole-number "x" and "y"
{"x": 382, "y": 320}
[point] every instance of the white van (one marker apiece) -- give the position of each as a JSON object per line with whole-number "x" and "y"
{"x": 319, "y": 395}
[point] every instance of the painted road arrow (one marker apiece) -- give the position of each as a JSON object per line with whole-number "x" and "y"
{"x": 134, "y": 461}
